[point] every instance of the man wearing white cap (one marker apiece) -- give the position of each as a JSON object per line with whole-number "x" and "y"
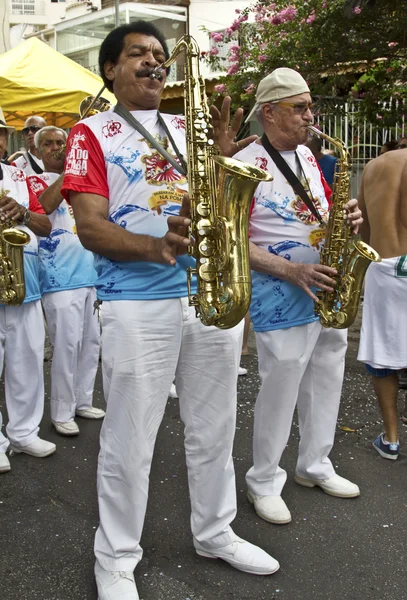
{"x": 300, "y": 363}
{"x": 22, "y": 327}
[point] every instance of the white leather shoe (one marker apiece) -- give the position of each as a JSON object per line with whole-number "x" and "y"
{"x": 242, "y": 371}
{"x": 270, "y": 508}
{"x": 242, "y": 556}
{"x": 91, "y": 413}
{"x": 173, "y": 391}
{"x": 69, "y": 428}
{"x": 4, "y": 463}
{"x": 115, "y": 585}
{"x": 39, "y": 448}
{"x": 334, "y": 486}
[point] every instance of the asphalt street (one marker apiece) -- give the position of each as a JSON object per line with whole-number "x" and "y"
{"x": 334, "y": 549}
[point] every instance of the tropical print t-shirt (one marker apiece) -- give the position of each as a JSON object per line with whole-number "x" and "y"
{"x": 64, "y": 262}
{"x": 14, "y": 181}
{"x": 106, "y": 156}
{"x": 282, "y": 224}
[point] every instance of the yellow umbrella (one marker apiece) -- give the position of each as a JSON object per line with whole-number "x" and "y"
{"x": 37, "y": 80}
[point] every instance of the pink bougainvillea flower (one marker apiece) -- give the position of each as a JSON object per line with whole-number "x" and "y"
{"x": 220, "y": 88}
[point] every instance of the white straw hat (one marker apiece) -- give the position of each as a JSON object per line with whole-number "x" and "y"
{"x": 3, "y": 122}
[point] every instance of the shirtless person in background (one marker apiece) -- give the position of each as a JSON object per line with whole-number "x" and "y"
{"x": 383, "y": 341}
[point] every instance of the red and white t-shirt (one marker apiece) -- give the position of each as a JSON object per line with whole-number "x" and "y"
{"x": 64, "y": 262}
{"x": 107, "y": 157}
{"x": 282, "y": 224}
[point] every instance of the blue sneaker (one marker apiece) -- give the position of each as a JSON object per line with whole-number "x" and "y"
{"x": 385, "y": 449}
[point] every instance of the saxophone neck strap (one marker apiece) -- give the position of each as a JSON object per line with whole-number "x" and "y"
{"x": 35, "y": 167}
{"x": 125, "y": 114}
{"x": 291, "y": 177}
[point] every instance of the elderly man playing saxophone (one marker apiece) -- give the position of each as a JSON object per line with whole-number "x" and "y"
{"x": 67, "y": 278}
{"x": 300, "y": 362}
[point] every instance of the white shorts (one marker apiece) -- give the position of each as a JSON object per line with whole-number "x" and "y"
{"x": 383, "y": 337}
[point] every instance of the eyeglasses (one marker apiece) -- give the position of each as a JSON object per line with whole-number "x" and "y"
{"x": 300, "y": 108}
{"x": 33, "y": 129}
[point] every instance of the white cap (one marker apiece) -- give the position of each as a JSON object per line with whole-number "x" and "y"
{"x": 280, "y": 84}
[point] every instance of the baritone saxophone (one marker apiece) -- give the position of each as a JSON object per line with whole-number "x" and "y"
{"x": 12, "y": 242}
{"x": 221, "y": 191}
{"x": 350, "y": 257}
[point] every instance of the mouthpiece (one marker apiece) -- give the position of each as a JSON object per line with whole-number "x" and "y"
{"x": 156, "y": 74}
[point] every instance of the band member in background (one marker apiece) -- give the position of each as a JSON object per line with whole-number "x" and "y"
{"x": 29, "y": 160}
{"x": 300, "y": 362}
{"x": 22, "y": 332}
{"x": 67, "y": 278}
{"x": 131, "y": 211}
{"x": 383, "y": 337}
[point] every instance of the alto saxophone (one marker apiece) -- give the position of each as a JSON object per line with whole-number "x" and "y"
{"x": 12, "y": 242}
{"x": 221, "y": 190}
{"x": 351, "y": 258}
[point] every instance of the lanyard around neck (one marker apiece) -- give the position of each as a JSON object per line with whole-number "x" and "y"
{"x": 291, "y": 177}
{"x": 133, "y": 122}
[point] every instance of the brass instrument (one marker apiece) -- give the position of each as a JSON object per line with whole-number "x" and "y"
{"x": 89, "y": 106}
{"x": 12, "y": 242}
{"x": 349, "y": 257}
{"x": 221, "y": 190}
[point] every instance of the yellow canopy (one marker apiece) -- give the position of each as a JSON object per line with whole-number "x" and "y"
{"x": 37, "y": 80}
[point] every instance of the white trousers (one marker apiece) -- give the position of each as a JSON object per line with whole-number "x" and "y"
{"x": 300, "y": 366}
{"x": 145, "y": 345}
{"x": 22, "y": 338}
{"x": 4, "y": 443}
{"x": 74, "y": 331}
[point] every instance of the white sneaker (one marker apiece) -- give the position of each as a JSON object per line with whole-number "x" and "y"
{"x": 115, "y": 585}
{"x": 173, "y": 391}
{"x": 242, "y": 556}
{"x": 4, "y": 463}
{"x": 69, "y": 428}
{"x": 242, "y": 371}
{"x": 270, "y": 508}
{"x": 334, "y": 486}
{"x": 39, "y": 448}
{"x": 90, "y": 413}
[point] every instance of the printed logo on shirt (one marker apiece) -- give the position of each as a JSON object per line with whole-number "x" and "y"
{"x": 18, "y": 175}
{"x": 178, "y": 123}
{"x": 37, "y": 185}
{"x": 261, "y": 162}
{"x": 77, "y": 158}
{"x": 159, "y": 199}
{"x": 111, "y": 128}
{"x": 312, "y": 160}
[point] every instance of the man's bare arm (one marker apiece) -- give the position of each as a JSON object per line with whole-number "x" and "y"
{"x": 104, "y": 237}
{"x": 40, "y": 224}
{"x": 301, "y": 274}
{"x": 364, "y": 228}
{"x": 51, "y": 198}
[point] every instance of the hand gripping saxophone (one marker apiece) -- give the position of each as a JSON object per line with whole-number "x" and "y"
{"x": 349, "y": 257}
{"x": 221, "y": 190}
{"x": 12, "y": 242}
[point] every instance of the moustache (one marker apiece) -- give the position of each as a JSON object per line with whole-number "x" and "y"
{"x": 151, "y": 73}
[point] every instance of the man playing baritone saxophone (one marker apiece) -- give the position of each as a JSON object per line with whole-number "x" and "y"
{"x": 300, "y": 363}
{"x": 383, "y": 338}
{"x": 22, "y": 331}
{"x": 131, "y": 211}
{"x": 67, "y": 279}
